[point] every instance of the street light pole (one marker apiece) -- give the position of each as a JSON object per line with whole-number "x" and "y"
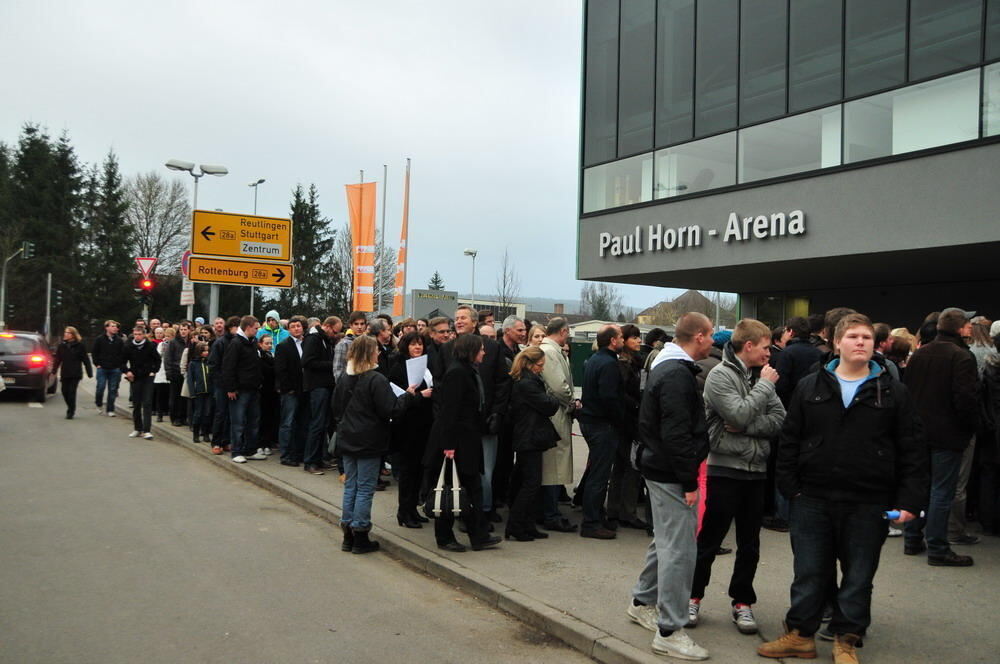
{"x": 254, "y": 184}
{"x": 3, "y": 289}
{"x": 473, "y": 253}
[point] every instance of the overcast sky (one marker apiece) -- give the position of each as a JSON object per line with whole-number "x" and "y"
{"x": 482, "y": 95}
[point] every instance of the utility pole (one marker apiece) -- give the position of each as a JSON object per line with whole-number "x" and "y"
{"x": 381, "y": 250}
{"x": 48, "y": 306}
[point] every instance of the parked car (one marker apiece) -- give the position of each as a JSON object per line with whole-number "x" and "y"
{"x": 26, "y": 363}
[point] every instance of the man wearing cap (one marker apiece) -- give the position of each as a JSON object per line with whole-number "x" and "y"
{"x": 942, "y": 378}
{"x": 272, "y": 326}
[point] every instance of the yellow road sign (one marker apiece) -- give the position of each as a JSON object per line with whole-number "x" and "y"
{"x": 207, "y": 270}
{"x": 241, "y": 236}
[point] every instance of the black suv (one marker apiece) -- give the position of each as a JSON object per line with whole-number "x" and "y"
{"x": 26, "y": 363}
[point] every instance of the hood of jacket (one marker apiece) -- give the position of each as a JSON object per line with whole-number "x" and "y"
{"x": 670, "y": 351}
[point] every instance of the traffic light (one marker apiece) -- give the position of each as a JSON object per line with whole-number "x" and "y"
{"x": 146, "y": 285}
{"x": 144, "y": 289}
{"x": 57, "y": 298}
{"x": 27, "y": 250}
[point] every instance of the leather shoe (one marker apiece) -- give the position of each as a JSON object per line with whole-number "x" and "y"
{"x": 487, "y": 543}
{"x": 636, "y": 523}
{"x": 950, "y": 559}
{"x": 312, "y": 468}
{"x": 964, "y": 539}
{"x": 416, "y": 516}
{"x": 560, "y": 526}
{"x": 494, "y": 517}
{"x": 599, "y": 533}
{"x": 611, "y": 524}
{"x": 537, "y": 534}
{"x": 454, "y": 547}
{"x": 408, "y": 521}
{"x": 323, "y": 465}
{"x": 914, "y": 549}
{"x": 288, "y": 462}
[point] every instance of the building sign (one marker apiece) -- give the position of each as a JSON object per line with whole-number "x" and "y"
{"x": 737, "y": 229}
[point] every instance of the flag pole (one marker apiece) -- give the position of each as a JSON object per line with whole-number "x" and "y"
{"x": 406, "y": 217}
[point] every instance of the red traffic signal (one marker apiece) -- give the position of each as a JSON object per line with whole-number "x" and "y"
{"x": 146, "y": 284}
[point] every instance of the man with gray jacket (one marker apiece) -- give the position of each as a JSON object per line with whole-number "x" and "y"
{"x": 744, "y": 413}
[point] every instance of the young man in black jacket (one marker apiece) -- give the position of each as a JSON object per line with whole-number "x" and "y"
{"x": 108, "y": 361}
{"x": 220, "y": 417}
{"x": 317, "y": 383}
{"x": 673, "y": 435}
{"x": 850, "y": 450}
{"x": 241, "y": 379}
{"x": 141, "y": 362}
{"x": 294, "y": 427}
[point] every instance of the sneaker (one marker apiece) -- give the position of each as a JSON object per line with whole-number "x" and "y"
{"x": 825, "y": 633}
{"x": 267, "y": 451}
{"x": 147, "y": 436}
{"x": 239, "y": 459}
{"x": 644, "y": 615}
{"x": 216, "y": 450}
{"x": 964, "y": 539}
{"x": 694, "y": 606}
{"x": 678, "y": 645}
{"x": 789, "y": 644}
{"x": 134, "y": 434}
{"x": 259, "y": 456}
{"x": 895, "y": 532}
{"x": 743, "y": 619}
{"x": 111, "y": 413}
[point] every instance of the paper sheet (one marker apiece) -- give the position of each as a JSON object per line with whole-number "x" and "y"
{"x": 428, "y": 378}
{"x": 396, "y": 389}
{"x": 415, "y": 368}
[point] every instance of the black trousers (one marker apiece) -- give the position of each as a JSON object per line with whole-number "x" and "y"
{"x": 411, "y": 477}
{"x": 503, "y": 469}
{"x": 178, "y": 404}
{"x": 69, "y": 386}
{"x": 728, "y": 500}
{"x": 525, "y": 502}
{"x": 472, "y": 511}
{"x": 161, "y": 399}
{"x": 142, "y": 400}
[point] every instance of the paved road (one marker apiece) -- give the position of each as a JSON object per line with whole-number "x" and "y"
{"x": 120, "y": 550}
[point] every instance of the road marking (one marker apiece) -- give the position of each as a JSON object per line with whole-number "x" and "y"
{"x": 35, "y": 405}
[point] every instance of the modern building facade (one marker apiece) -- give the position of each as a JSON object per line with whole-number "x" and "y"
{"x": 803, "y": 153}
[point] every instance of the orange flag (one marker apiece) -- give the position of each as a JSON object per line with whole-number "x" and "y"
{"x": 399, "y": 292}
{"x": 361, "y": 205}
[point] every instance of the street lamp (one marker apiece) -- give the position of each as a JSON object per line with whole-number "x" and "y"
{"x": 206, "y": 169}
{"x": 473, "y": 253}
{"x": 254, "y": 184}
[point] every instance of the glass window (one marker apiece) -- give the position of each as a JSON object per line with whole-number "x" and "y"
{"x": 601, "y": 85}
{"x": 696, "y": 166}
{"x": 814, "y": 53}
{"x": 992, "y": 29}
{"x": 675, "y": 71}
{"x": 618, "y": 183}
{"x": 925, "y": 115}
{"x": 991, "y": 100}
{"x": 944, "y": 36}
{"x": 875, "y": 45}
{"x": 717, "y": 66}
{"x": 795, "y": 144}
{"x": 637, "y": 76}
{"x": 762, "y": 59}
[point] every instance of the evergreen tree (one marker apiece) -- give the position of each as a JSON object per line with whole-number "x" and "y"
{"x": 312, "y": 244}
{"x": 436, "y": 282}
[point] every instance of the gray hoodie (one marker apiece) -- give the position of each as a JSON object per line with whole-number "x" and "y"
{"x": 733, "y": 396}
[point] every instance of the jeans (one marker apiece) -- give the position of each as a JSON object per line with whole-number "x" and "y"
{"x": 489, "y": 463}
{"x": 824, "y": 532}
{"x": 317, "y": 441}
{"x": 142, "y": 400}
{"x": 69, "y": 386}
{"x": 244, "y": 421}
{"x": 112, "y": 378}
{"x": 602, "y": 439}
{"x": 945, "y": 465}
{"x": 359, "y": 491}
{"x": 550, "y": 502}
{"x": 221, "y": 431}
{"x": 957, "y": 521}
{"x": 294, "y": 427}
{"x": 665, "y": 580}
{"x": 728, "y": 500}
{"x": 528, "y": 471}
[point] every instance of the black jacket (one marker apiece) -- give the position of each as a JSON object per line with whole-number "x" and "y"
{"x": 143, "y": 361}
{"x": 492, "y": 370}
{"x": 362, "y": 407}
{"x": 108, "y": 352}
{"x": 216, "y": 352}
{"x": 411, "y": 430}
{"x": 942, "y": 377}
{"x": 988, "y": 441}
{"x": 871, "y": 452}
{"x": 603, "y": 390}
{"x": 241, "y": 369}
{"x": 317, "y": 361}
{"x": 672, "y": 426}
{"x": 530, "y": 409}
{"x": 458, "y": 423}
{"x": 267, "y": 376}
{"x": 630, "y": 366}
{"x": 796, "y": 361}
{"x": 172, "y": 357}
{"x": 72, "y": 357}
{"x": 288, "y": 367}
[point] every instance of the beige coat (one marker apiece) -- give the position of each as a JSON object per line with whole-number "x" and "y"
{"x": 557, "y": 463}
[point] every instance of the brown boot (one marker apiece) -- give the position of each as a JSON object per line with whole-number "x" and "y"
{"x": 790, "y": 644}
{"x": 844, "y": 649}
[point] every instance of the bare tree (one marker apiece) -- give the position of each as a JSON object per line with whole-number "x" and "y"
{"x": 508, "y": 283}
{"x": 600, "y": 300}
{"x": 161, "y": 216}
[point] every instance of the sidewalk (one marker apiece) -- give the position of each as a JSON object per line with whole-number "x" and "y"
{"x": 577, "y": 589}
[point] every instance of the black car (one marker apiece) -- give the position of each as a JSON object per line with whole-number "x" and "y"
{"x": 26, "y": 363}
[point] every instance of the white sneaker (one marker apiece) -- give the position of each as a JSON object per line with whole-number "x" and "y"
{"x": 267, "y": 451}
{"x": 694, "y": 606}
{"x": 895, "y": 532}
{"x": 644, "y": 614}
{"x": 259, "y": 456}
{"x": 678, "y": 645}
{"x": 744, "y": 620}
{"x": 239, "y": 459}
{"x": 111, "y": 413}
{"x": 147, "y": 436}
{"x": 134, "y": 434}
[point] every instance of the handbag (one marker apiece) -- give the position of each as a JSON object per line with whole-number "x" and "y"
{"x": 446, "y": 498}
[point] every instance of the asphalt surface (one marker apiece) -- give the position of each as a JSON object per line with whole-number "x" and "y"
{"x": 115, "y": 549}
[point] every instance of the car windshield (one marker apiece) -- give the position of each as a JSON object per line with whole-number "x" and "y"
{"x": 16, "y": 346}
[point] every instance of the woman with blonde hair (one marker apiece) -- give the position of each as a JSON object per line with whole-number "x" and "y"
{"x": 72, "y": 357}
{"x": 535, "y": 336}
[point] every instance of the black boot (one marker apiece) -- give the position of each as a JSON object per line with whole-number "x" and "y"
{"x": 362, "y": 544}
{"x": 348, "y": 544}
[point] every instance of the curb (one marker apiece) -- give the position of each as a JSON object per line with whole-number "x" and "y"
{"x": 574, "y": 632}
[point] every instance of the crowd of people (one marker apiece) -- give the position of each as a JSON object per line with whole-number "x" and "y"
{"x": 837, "y": 430}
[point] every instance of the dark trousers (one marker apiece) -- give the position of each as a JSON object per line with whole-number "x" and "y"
{"x": 221, "y": 434}
{"x": 989, "y": 497}
{"x": 142, "y": 400}
{"x": 623, "y": 489}
{"x": 294, "y": 427}
{"x": 729, "y": 500}
{"x": 69, "y": 386}
{"x": 270, "y": 406}
{"x": 319, "y": 411}
{"x": 945, "y": 465}
{"x": 178, "y": 404}
{"x": 244, "y": 422}
{"x": 161, "y": 399}
{"x": 201, "y": 414}
{"x": 411, "y": 477}
{"x": 472, "y": 511}
{"x": 503, "y": 469}
{"x": 822, "y": 533}
{"x": 602, "y": 439}
{"x": 524, "y": 503}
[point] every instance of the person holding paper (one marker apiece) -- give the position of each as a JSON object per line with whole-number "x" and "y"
{"x": 411, "y": 430}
